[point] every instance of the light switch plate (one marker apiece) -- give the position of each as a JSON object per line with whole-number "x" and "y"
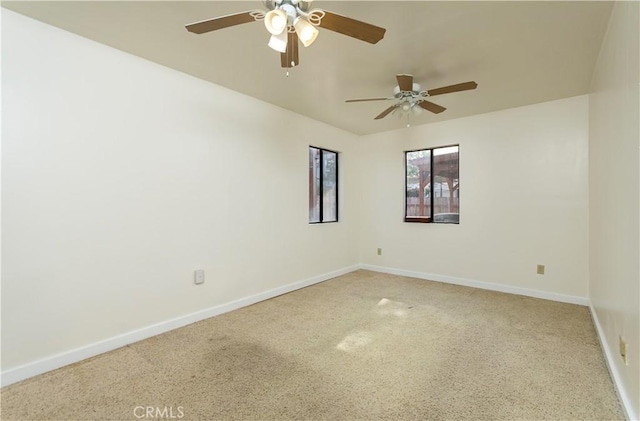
{"x": 198, "y": 277}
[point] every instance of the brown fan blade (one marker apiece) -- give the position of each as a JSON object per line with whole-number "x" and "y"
{"x": 453, "y": 88}
{"x": 290, "y": 57}
{"x": 430, "y": 106}
{"x": 385, "y": 112}
{"x": 220, "y": 23}
{"x": 405, "y": 82}
{"x": 352, "y": 28}
{"x": 367, "y": 99}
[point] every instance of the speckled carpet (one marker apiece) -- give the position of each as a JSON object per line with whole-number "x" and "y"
{"x": 363, "y": 346}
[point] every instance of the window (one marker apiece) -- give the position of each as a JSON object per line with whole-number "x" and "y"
{"x": 432, "y": 185}
{"x": 323, "y": 185}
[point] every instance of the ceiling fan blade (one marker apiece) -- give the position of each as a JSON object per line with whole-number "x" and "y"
{"x": 290, "y": 57}
{"x": 367, "y": 99}
{"x": 465, "y": 86}
{"x": 220, "y": 23}
{"x": 405, "y": 82}
{"x": 352, "y": 28}
{"x": 430, "y": 106}
{"x": 385, "y": 112}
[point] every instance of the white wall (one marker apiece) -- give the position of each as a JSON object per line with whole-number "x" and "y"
{"x": 120, "y": 177}
{"x": 614, "y": 191}
{"x": 523, "y": 200}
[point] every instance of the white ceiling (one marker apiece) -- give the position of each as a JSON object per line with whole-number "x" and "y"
{"x": 519, "y": 53}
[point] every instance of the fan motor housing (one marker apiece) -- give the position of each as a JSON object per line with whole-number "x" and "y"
{"x": 401, "y": 94}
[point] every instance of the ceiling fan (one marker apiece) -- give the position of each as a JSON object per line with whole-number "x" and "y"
{"x": 410, "y": 97}
{"x": 291, "y": 20}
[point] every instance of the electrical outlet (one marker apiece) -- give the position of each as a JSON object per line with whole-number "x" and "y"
{"x": 379, "y": 252}
{"x": 540, "y": 270}
{"x": 623, "y": 349}
{"x": 198, "y": 277}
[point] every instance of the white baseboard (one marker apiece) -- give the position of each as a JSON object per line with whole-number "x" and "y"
{"x": 609, "y": 355}
{"x": 480, "y": 284}
{"x": 16, "y": 374}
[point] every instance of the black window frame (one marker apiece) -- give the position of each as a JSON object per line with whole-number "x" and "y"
{"x": 429, "y": 219}
{"x": 321, "y": 190}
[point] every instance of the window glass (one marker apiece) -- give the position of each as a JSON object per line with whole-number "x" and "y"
{"x": 446, "y": 199}
{"x": 329, "y": 186}
{"x": 432, "y": 192}
{"x": 314, "y": 185}
{"x": 323, "y": 185}
{"x": 418, "y": 184}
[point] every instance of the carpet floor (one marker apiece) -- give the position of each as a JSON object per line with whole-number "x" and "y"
{"x": 363, "y": 346}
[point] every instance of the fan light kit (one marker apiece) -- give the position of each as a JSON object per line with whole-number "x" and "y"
{"x": 291, "y": 20}
{"x": 288, "y": 18}
{"x": 411, "y": 99}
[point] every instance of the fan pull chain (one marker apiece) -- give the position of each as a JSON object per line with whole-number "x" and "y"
{"x": 293, "y": 64}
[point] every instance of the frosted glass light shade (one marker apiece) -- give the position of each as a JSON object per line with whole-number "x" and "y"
{"x": 307, "y": 33}
{"x": 279, "y": 42}
{"x": 276, "y": 21}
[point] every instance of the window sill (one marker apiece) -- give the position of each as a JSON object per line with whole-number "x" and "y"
{"x": 424, "y": 220}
